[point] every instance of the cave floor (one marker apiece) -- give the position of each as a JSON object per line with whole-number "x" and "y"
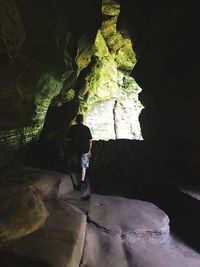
{"x": 173, "y": 251}
{"x": 105, "y": 247}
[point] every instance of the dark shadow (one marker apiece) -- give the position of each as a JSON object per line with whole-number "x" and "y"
{"x": 129, "y": 169}
{"x": 182, "y": 209}
{"x": 41, "y": 154}
{"x": 8, "y": 259}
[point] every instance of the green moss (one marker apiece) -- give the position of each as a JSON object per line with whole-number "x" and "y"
{"x": 110, "y": 7}
{"x": 11, "y": 140}
{"x": 84, "y": 53}
{"x": 119, "y": 43}
{"x": 99, "y": 66}
{"x": 100, "y": 46}
{"x": 48, "y": 87}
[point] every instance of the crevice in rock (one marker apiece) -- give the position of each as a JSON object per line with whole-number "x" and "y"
{"x": 130, "y": 234}
{"x": 101, "y": 228}
{"x": 127, "y": 254}
{"x": 114, "y": 119}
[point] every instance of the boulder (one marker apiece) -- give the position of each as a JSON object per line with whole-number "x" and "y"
{"x": 21, "y": 211}
{"x": 59, "y": 242}
{"x": 50, "y": 184}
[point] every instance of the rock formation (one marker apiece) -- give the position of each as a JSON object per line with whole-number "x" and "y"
{"x": 112, "y": 60}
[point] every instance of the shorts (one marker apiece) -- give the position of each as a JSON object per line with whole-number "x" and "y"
{"x": 85, "y": 160}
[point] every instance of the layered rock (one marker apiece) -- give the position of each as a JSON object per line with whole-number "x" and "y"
{"x": 38, "y": 46}
{"x": 52, "y": 68}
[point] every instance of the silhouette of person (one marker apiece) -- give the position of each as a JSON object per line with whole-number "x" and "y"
{"x": 80, "y": 142}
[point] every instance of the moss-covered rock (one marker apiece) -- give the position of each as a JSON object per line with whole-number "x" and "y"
{"x": 118, "y": 42}
{"x": 28, "y": 123}
{"x": 39, "y": 44}
{"x": 52, "y": 62}
{"x": 107, "y": 89}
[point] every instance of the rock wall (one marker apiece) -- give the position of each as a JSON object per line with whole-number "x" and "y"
{"x": 48, "y": 58}
{"x": 165, "y": 41}
{"x": 110, "y": 94}
{"x": 38, "y": 46}
{"x": 123, "y": 167}
{"x": 55, "y": 62}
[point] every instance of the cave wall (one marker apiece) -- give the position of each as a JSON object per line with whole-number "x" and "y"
{"x": 46, "y": 48}
{"x": 109, "y": 93}
{"x": 164, "y": 38}
{"x": 38, "y": 46}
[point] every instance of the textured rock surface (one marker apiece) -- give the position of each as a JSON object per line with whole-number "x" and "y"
{"x": 59, "y": 242}
{"x": 107, "y": 246}
{"x": 47, "y": 51}
{"x": 110, "y": 94}
{"x": 22, "y": 211}
{"x": 50, "y": 184}
{"x": 120, "y": 232}
{"x": 43, "y": 53}
{"x": 55, "y": 63}
{"x": 171, "y": 253}
{"x": 113, "y": 215}
{"x": 38, "y": 46}
{"x": 104, "y": 249}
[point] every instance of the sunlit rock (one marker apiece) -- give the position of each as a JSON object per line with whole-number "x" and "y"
{"x": 109, "y": 97}
{"x": 100, "y": 120}
{"x": 118, "y": 41}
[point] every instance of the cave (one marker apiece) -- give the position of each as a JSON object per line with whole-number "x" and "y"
{"x": 131, "y": 68}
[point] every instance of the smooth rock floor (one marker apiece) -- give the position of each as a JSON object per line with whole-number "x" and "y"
{"x": 120, "y": 232}
{"x": 105, "y": 246}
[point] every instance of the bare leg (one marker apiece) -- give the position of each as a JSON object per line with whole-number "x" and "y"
{"x": 83, "y": 181}
{"x": 83, "y": 174}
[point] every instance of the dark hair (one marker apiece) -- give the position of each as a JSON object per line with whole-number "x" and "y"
{"x": 79, "y": 118}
